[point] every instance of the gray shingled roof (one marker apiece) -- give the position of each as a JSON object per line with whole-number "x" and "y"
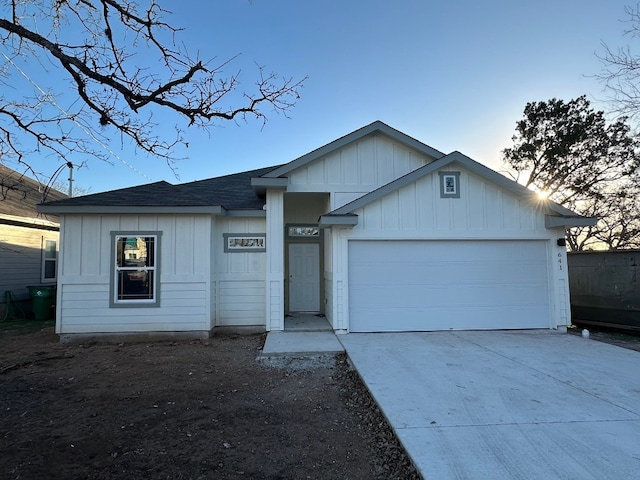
{"x": 20, "y": 194}
{"x": 229, "y": 191}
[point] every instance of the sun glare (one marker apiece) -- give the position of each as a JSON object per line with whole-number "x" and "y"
{"x": 542, "y": 195}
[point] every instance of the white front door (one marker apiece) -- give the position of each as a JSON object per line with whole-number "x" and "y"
{"x": 304, "y": 277}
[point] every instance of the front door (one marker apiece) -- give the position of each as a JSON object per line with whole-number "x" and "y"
{"x": 304, "y": 277}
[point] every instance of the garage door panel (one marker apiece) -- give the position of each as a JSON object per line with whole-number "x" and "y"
{"x": 450, "y": 273}
{"x": 379, "y": 296}
{"x": 451, "y": 319}
{"x": 436, "y": 285}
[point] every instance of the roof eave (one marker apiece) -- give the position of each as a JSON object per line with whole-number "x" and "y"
{"x": 29, "y": 222}
{"x": 260, "y": 184}
{"x": 129, "y": 209}
{"x": 557, "y": 221}
{"x": 349, "y": 220}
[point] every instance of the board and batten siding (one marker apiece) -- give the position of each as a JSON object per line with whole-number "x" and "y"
{"x": 21, "y": 258}
{"x": 484, "y": 211}
{"x": 356, "y": 169}
{"x": 238, "y": 278}
{"x": 85, "y": 273}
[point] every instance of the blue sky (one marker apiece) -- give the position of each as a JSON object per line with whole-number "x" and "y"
{"x": 454, "y": 74}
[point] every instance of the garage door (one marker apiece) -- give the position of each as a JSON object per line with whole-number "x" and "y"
{"x": 443, "y": 285}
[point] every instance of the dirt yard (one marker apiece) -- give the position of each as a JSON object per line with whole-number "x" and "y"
{"x": 182, "y": 410}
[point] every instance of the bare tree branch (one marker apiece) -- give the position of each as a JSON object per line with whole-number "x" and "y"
{"x": 125, "y": 66}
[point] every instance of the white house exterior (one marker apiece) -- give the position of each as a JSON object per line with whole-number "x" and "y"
{"x": 376, "y": 231}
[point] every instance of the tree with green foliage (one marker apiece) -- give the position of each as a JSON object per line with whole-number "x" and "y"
{"x": 568, "y": 152}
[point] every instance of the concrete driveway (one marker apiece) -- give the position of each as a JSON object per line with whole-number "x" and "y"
{"x": 506, "y": 405}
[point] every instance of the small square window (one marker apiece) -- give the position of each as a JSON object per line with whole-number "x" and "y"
{"x": 449, "y": 184}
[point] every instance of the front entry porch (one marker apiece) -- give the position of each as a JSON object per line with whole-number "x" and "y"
{"x": 306, "y": 322}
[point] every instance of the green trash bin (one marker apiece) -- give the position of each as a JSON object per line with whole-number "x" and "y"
{"x": 43, "y": 299}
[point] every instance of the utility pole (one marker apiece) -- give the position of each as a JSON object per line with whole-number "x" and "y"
{"x": 70, "y": 165}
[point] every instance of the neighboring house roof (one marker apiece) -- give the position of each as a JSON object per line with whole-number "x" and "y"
{"x": 214, "y": 195}
{"x": 557, "y": 215}
{"x": 19, "y": 196}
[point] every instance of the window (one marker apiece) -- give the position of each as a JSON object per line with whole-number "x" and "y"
{"x": 303, "y": 231}
{"x": 135, "y": 269}
{"x": 244, "y": 242}
{"x": 49, "y": 260}
{"x": 449, "y": 184}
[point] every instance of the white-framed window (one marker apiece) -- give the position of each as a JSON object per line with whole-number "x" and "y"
{"x": 135, "y": 269}
{"x": 49, "y": 260}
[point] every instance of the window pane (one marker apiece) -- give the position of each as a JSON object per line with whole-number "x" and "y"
{"x": 49, "y": 249}
{"x": 135, "y": 285}
{"x": 304, "y": 231}
{"x": 135, "y": 252}
{"x": 50, "y": 269}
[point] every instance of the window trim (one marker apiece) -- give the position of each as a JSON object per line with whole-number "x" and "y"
{"x": 443, "y": 179}
{"x": 134, "y": 303}
{"x": 44, "y": 260}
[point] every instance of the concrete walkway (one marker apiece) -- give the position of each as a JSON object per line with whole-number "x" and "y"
{"x": 301, "y": 343}
{"x": 506, "y": 405}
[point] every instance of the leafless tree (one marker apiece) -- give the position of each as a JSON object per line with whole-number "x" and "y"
{"x": 621, "y": 69}
{"x": 126, "y": 68}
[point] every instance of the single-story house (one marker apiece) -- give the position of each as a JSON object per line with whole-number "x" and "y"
{"x": 376, "y": 231}
{"x": 28, "y": 240}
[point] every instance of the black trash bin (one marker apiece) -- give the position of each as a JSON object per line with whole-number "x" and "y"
{"x": 43, "y": 300}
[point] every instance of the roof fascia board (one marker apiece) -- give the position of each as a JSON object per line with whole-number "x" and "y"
{"x": 330, "y": 220}
{"x": 106, "y": 209}
{"x": 391, "y": 186}
{"x": 246, "y": 213}
{"x": 511, "y": 185}
{"x": 555, "y": 221}
{"x": 374, "y": 127}
{"x": 260, "y": 184}
{"x": 468, "y": 164}
{"x": 26, "y": 222}
{"x": 269, "y": 182}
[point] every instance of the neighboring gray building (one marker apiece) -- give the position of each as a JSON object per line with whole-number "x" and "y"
{"x": 28, "y": 239}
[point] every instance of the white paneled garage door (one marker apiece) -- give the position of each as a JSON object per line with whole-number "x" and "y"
{"x": 442, "y": 285}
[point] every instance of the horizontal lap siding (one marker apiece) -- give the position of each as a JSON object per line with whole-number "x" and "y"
{"x": 21, "y": 259}
{"x": 238, "y": 283}
{"x": 85, "y": 309}
{"x": 184, "y": 282}
{"x": 241, "y": 302}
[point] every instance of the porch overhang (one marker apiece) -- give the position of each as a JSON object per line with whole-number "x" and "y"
{"x": 260, "y": 184}
{"x": 342, "y": 220}
{"x": 556, "y": 221}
